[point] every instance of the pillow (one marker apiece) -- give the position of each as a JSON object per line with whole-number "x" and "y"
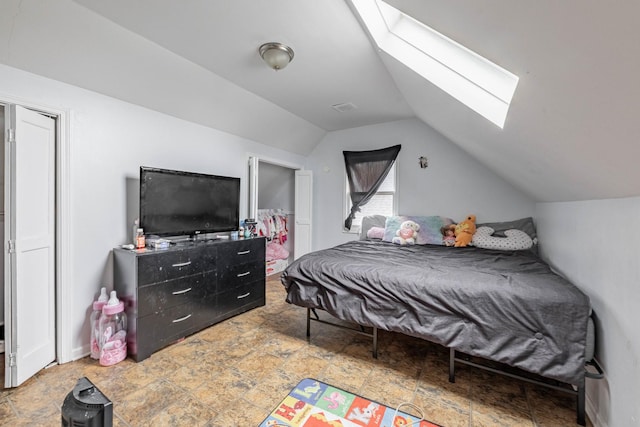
{"x": 418, "y": 230}
{"x": 376, "y": 233}
{"x": 371, "y": 221}
{"x": 523, "y": 224}
{"x": 514, "y": 240}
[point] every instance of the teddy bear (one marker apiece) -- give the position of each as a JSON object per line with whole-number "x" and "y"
{"x": 465, "y": 231}
{"x": 407, "y": 234}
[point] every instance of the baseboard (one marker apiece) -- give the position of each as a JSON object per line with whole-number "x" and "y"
{"x": 79, "y": 353}
{"x": 592, "y": 413}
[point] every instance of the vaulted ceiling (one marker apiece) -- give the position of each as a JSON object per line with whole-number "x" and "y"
{"x": 571, "y": 132}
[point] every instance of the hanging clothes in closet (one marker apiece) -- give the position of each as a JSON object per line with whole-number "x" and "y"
{"x": 273, "y": 224}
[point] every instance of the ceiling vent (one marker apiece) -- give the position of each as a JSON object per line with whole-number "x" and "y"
{"x": 344, "y": 107}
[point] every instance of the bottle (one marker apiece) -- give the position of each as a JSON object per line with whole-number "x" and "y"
{"x": 134, "y": 236}
{"x": 113, "y": 332}
{"x": 95, "y": 325}
{"x": 140, "y": 240}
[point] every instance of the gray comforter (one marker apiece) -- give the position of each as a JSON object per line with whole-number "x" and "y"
{"x": 508, "y": 307}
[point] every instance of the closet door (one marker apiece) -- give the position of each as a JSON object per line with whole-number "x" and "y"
{"x": 303, "y": 209}
{"x": 30, "y": 239}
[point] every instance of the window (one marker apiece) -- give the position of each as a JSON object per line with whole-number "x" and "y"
{"x": 480, "y": 84}
{"x": 383, "y": 203}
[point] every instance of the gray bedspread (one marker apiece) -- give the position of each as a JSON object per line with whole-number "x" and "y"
{"x": 508, "y": 307}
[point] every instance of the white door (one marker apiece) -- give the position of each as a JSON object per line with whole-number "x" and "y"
{"x": 254, "y": 173}
{"x": 303, "y": 205}
{"x": 29, "y": 243}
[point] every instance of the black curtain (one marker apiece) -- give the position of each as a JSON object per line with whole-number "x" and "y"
{"x": 366, "y": 170}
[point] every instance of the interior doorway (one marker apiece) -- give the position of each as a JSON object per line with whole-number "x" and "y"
{"x": 275, "y": 185}
{"x": 276, "y": 214}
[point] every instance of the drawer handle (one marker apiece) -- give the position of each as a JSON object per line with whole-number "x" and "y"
{"x": 246, "y": 273}
{"x": 184, "y": 291}
{"x": 182, "y": 319}
{"x": 181, "y": 264}
{"x": 244, "y": 252}
{"x": 243, "y": 296}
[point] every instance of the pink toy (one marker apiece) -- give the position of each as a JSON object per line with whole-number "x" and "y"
{"x": 276, "y": 251}
{"x": 113, "y": 332}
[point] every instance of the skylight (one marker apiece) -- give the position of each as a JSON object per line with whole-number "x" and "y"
{"x": 470, "y": 78}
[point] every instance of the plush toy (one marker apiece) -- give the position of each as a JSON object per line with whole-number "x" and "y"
{"x": 448, "y": 235}
{"x": 465, "y": 231}
{"x": 407, "y": 234}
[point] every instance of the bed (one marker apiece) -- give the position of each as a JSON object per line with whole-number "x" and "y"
{"x": 503, "y": 306}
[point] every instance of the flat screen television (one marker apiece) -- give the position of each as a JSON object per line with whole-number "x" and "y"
{"x": 177, "y": 203}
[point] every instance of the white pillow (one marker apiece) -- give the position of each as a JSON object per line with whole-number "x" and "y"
{"x": 516, "y": 240}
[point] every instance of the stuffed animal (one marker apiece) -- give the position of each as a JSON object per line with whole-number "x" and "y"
{"x": 448, "y": 234}
{"x": 465, "y": 231}
{"x": 407, "y": 234}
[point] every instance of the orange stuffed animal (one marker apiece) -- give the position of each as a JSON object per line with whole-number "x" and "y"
{"x": 465, "y": 231}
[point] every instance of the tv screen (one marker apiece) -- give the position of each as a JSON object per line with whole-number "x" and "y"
{"x": 174, "y": 203}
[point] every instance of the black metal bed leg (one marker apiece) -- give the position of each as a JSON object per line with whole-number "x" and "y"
{"x": 452, "y": 365}
{"x": 361, "y": 330}
{"x": 375, "y": 342}
{"x": 581, "y": 403}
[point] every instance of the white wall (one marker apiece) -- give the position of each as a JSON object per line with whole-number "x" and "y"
{"x": 276, "y": 187}
{"x": 454, "y": 185}
{"x": 581, "y": 240}
{"x": 109, "y": 141}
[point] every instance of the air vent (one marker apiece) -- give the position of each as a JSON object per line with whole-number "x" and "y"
{"x": 344, "y": 107}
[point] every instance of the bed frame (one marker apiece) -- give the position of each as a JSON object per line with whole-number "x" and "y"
{"x": 577, "y": 390}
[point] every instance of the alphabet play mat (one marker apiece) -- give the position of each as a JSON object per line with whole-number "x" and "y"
{"x": 313, "y": 403}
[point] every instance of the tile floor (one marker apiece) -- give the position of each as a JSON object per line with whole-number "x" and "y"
{"x": 234, "y": 373}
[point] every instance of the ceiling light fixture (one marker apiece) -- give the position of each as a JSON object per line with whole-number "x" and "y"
{"x": 276, "y": 55}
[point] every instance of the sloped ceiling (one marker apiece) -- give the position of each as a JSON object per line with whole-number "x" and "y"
{"x": 571, "y": 132}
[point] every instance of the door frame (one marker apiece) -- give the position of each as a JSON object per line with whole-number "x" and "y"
{"x": 254, "y": 185}
{"x": 63, "y": 279}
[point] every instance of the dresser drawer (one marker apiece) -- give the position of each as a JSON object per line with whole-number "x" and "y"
{"x": 235, "y": 275}
{"x": 161, "y": 267}
{"x": 159, "y": 329}
{"x": 242, "y": 251}
{"x": 160, "y": 296}
{"x": 246, "y": 294}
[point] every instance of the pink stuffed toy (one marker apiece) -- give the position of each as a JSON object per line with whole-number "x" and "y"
{"x": 276, "y": 251}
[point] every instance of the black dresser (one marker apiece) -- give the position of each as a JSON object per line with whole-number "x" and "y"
{"x": 172, "y": 293}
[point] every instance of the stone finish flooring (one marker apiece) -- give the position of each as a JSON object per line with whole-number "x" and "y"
{"x": 234, "y": 373}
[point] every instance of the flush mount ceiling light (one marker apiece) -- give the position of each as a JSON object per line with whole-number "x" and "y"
{"x": 276, "y": 55}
